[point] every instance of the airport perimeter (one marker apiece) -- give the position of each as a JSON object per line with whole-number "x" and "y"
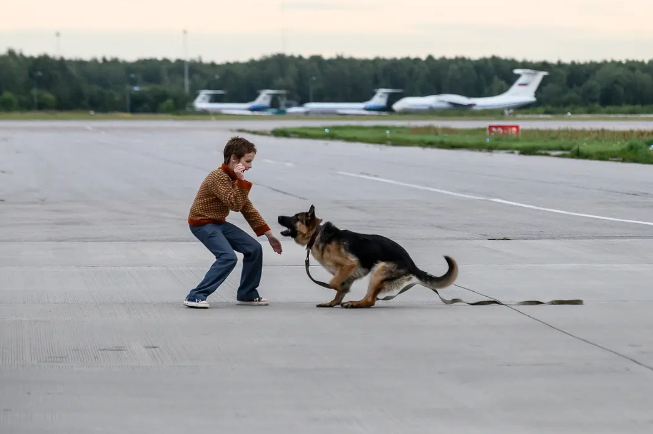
{"x": 96, "y": 258}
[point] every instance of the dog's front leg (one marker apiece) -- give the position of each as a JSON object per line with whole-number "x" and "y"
{"x": 341, "y": 282}
{"x": 343, "y": 273}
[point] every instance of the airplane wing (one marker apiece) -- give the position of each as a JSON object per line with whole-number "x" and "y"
{"x": 457, "y": 101}
{"x": 461, "y": 105}
{"x": 296, "y": 110}
{"x": 359, "y": 113}
{"x": 245, "y": 113}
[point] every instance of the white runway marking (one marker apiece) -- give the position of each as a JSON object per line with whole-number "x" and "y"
{"x": 420, "y": 187}
{"x": 571, "y": 213}
{"x": 501, "y": 201}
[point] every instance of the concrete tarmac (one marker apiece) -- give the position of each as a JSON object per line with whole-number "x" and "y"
{"x": 96, "y": 259}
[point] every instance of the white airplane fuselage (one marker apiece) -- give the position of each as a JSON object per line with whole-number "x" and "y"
{"x": 433, "y": 103}
{"x": 335, "y": 107}
{"x": 521, "y": 93}
{"x": 219, "y": 107}
{"x": 259, "y": 106}
{"x": 376, "y": 105}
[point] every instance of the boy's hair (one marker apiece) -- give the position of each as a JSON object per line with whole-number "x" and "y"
{"x": 237, "y": 146}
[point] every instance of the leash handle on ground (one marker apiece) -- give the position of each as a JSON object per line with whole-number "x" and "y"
{"x": 453, "y": 300}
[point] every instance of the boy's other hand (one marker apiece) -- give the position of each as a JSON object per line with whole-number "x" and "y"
{"x": 274, "y": 242}
{"x": 240, "y": 171}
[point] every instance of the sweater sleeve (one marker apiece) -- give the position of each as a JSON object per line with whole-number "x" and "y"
{"x": 254, "y": 218}
{"x": 235, "y": 196}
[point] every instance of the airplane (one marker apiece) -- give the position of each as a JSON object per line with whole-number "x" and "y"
{"x": 376, "y": 105}
{"x": 521, "y": 93}
{"x": 259, "y": 106}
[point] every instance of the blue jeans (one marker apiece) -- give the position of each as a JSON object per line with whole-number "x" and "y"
{"x": 222, "y": 240}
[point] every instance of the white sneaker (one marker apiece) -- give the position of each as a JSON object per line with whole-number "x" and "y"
{"x": 196, "y": 303}
{"x": 256, "y": 302}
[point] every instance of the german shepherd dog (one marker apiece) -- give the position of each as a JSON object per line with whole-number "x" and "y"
{"x": 350, "y": 256}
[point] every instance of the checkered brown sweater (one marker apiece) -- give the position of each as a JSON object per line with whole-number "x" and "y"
{"x": 220, "y": 192}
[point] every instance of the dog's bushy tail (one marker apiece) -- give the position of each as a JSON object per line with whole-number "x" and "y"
{"x": 438, "y": 282}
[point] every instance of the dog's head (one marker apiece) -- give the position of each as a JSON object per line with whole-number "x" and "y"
{"x": 300, "y": 226}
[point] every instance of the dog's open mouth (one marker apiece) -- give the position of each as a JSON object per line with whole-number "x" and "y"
{"x": 287, "y": 223}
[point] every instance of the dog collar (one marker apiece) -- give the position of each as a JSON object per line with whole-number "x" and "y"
{"x": 314, "y": 237}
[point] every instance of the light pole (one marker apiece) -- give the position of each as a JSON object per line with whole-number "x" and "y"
{"x": 310, "y": 88}
{"x": 283, "y": 28}
{"x": 36, "y": 89}
{"x": 129, "y": 92}
{"x": 58, "y": 36}
{"x": 186, "y": 86}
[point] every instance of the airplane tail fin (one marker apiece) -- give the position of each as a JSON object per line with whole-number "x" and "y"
{"x": 204, "y": 97}
{"x": 264, "y": 99}
{"x": 527, "y": 83}
{"x": 380, "y": 99}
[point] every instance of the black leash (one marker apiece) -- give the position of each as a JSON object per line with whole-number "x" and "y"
{"x": 444, "y": 300}
{"x": 308, "y": 264}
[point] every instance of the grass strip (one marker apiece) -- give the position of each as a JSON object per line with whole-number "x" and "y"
{"x": 633, "y": 146}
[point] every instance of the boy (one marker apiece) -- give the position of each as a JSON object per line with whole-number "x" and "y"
{"x": 226, "y": 189}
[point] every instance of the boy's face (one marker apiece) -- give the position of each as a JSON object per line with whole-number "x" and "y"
{"x": 245, "y": 161}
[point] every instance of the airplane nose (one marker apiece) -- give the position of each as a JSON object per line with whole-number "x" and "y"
{"x": 399, "y": 105}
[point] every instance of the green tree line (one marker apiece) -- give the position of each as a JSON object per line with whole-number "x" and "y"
{"x": 153, "y": 85}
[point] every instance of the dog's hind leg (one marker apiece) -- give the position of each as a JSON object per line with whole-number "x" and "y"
{"x": 384, "y": 277}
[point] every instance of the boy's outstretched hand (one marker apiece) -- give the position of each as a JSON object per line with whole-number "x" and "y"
{"x": 274, "y": 242}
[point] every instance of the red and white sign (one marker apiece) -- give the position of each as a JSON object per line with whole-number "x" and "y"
{"x": 503, "y": 129}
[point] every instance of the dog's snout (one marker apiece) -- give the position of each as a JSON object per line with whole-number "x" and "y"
{"x": 285, "y": 220}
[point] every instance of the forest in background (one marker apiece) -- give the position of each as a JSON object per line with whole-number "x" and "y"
{"x": 157, "y": 85}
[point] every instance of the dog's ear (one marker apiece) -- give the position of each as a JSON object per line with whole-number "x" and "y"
{"x": 311, "y": 212}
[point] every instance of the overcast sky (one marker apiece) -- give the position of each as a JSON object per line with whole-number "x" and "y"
{"x": 227, "y": 30}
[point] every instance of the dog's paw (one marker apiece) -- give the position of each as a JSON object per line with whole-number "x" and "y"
{"x": 327, "y": 304}
{"x": 354, "y": 305}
